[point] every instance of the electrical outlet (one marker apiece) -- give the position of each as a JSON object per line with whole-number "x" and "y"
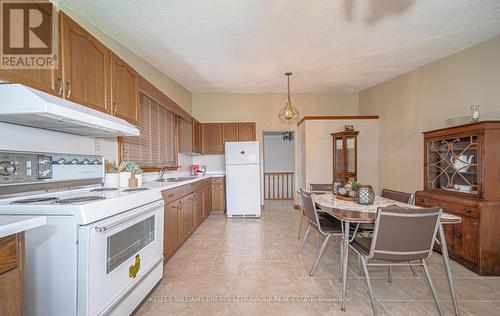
{"x": 97, "y": 146}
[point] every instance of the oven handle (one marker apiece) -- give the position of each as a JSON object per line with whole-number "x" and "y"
{"x": 100, "y": 229}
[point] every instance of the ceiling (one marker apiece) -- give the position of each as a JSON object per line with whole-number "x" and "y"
{"x": 329, "y": 45}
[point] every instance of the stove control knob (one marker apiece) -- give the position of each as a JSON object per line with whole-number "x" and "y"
{"x": 7, "y": 168}
{"x": 74, "y": 161}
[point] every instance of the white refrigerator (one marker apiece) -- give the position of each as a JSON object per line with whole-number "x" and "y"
{"x": 242, "y": 179}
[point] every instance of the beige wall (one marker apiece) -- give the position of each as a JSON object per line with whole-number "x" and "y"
{"x": 422, "y": 100}
{"x": 316, "y": 166}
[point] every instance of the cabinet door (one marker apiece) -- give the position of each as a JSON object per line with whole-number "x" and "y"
{"x": 246, "y": 132}
{"x": 465, "y": 239}
{"x": 171, "y": 228}
{"x": 218, "y": 200}
{"x": 212, "y": 138}
{"x": 229, "y": 132}
{"x": 196, "y": 136}
{"x": 198, "y": 207}
{"x": 207, "y": 201}
{"x": 185, "y": 136}
{"x": 186, "y": 219}
{"x": 124, "y": 90}
{"x": 85, "y": 65}
{"x": 47, "y": 80}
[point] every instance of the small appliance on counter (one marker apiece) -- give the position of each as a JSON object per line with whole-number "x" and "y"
{"x": 197, "y": 170}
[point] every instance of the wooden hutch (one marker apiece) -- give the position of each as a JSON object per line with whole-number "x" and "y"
{"x": 462, "y": 175}
{"x": 345, "y": 160}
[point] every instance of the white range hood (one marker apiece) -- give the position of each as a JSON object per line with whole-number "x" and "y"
{"x": 26, "y": 106}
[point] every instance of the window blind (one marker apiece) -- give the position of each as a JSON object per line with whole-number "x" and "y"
{"x": 156, "y": 144}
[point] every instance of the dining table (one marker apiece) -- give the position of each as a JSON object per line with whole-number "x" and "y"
{"x": 352, "y": 214}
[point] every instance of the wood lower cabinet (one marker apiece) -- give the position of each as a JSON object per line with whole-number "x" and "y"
{"x": 12, "y": 275}
{"x": 229, "y": 132}
{"x": 185, "y": 209}
{"x": 171, "y": 235}
{"x": 246, "y": 132}
{"x": 124, "y": 90}
{"x": 211, "y": 139}
{"x": 218, "y": 196}
{"x": 85, "y": 67}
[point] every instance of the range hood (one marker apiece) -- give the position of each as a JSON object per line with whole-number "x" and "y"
{"x": 26, "y": 106}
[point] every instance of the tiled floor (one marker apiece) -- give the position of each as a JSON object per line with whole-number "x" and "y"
{"x": 229, "y": 261}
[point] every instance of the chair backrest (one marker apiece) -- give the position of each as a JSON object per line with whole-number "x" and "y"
{"x": 399, "y": 196}
{"x": 309, "y": 208}
{"x": 404, "y": 234}
{"x": 320, "y": 186}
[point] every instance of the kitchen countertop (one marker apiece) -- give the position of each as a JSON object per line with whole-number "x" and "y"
{"x": 10, "y": 225}
{"x": 171, "y": 185}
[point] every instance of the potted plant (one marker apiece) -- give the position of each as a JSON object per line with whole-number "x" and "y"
{"x": 126, "y": 169}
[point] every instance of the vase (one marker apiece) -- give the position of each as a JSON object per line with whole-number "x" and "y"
{"x": 124, "y": 176}
{"x": 366, "y": 195}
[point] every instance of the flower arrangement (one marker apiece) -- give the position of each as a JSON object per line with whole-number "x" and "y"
{"x": 130, "y": 166}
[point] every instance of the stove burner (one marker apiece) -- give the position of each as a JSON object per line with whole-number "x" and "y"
{"x": 35, "y": 200}
{"x": 135, "y": 189}
{"x": 80, "y": 199}
{"x": 103, "y": 189}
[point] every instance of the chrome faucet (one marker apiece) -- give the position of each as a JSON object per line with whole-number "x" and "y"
{"x": 161, "y": 173}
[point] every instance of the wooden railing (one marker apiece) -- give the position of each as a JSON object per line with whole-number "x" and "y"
{"x": 278, "y": 185}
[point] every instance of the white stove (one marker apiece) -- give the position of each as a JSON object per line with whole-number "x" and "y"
{"x": 101, "y": 250}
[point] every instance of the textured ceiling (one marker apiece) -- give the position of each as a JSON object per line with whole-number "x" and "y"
{"x": 329, "y": 45}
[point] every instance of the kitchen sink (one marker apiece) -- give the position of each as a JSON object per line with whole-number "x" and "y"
{"x": 180, "y": 179}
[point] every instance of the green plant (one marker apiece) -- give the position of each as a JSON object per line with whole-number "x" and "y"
{"x": 354, "y": 184}
{"x": 132, "y": 166}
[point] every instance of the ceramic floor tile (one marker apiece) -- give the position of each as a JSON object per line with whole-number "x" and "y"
{"x": 228, "y": 262}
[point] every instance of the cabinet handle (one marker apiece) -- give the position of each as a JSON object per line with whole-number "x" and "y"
{"x": 457, "y": 235}
{"x": 467, "y": 210}
{"x": 68, "y": 84}
{"x": 115, "y": 108}
{"x": 60, "y": 90}
{"x": 170, "y": 195}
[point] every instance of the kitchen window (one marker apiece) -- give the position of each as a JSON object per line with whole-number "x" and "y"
{"x": 156, "y": 146}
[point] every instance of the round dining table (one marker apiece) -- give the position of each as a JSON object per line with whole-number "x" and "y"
{"x": 350, "y": 212}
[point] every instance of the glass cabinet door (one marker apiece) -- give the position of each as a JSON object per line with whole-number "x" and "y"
{"x": 344, "y": 155}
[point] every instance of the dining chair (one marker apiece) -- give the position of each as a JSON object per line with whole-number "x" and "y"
{"x": 324, "y": 226}
{"x": 313, "y": 187}
{"x": 320, "y": 187}
{"x": 401, "y": 237}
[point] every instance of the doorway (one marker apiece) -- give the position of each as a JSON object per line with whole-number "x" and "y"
{"x": 279, "y": 168}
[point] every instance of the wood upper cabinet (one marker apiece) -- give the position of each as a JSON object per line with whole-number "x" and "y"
{"x": 185, "y": 131}
{"x": 246, "y": 132}
{"x": 171, "y": 237}
{"x": 229, "y": 132}
{"x": 85, "y": 65}
{"x": 196, "y": 136}
{"x": 124, "y": 90}
{"x": 212, "y": 138}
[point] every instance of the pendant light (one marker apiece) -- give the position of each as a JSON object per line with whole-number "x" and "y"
{"x": 288, "y": 112}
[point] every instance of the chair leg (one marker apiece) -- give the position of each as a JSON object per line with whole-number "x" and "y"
{"x": 428, "y": 275}
{"x": 305, "y": 237}
{"x": 414, "y": 273}
{"x": 300, "y": 225}
{"x": 360, "y": 267}
{"x": 323, "y": 246}
{"x": 369, "y": 285}
{"x": 389, "y": 274}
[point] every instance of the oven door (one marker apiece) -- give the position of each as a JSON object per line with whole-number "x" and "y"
{"x": 116, "y": 253}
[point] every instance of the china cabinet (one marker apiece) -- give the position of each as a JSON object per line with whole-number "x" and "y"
{"x": 462, "y": 175}
{"x": 345, "y": 146}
